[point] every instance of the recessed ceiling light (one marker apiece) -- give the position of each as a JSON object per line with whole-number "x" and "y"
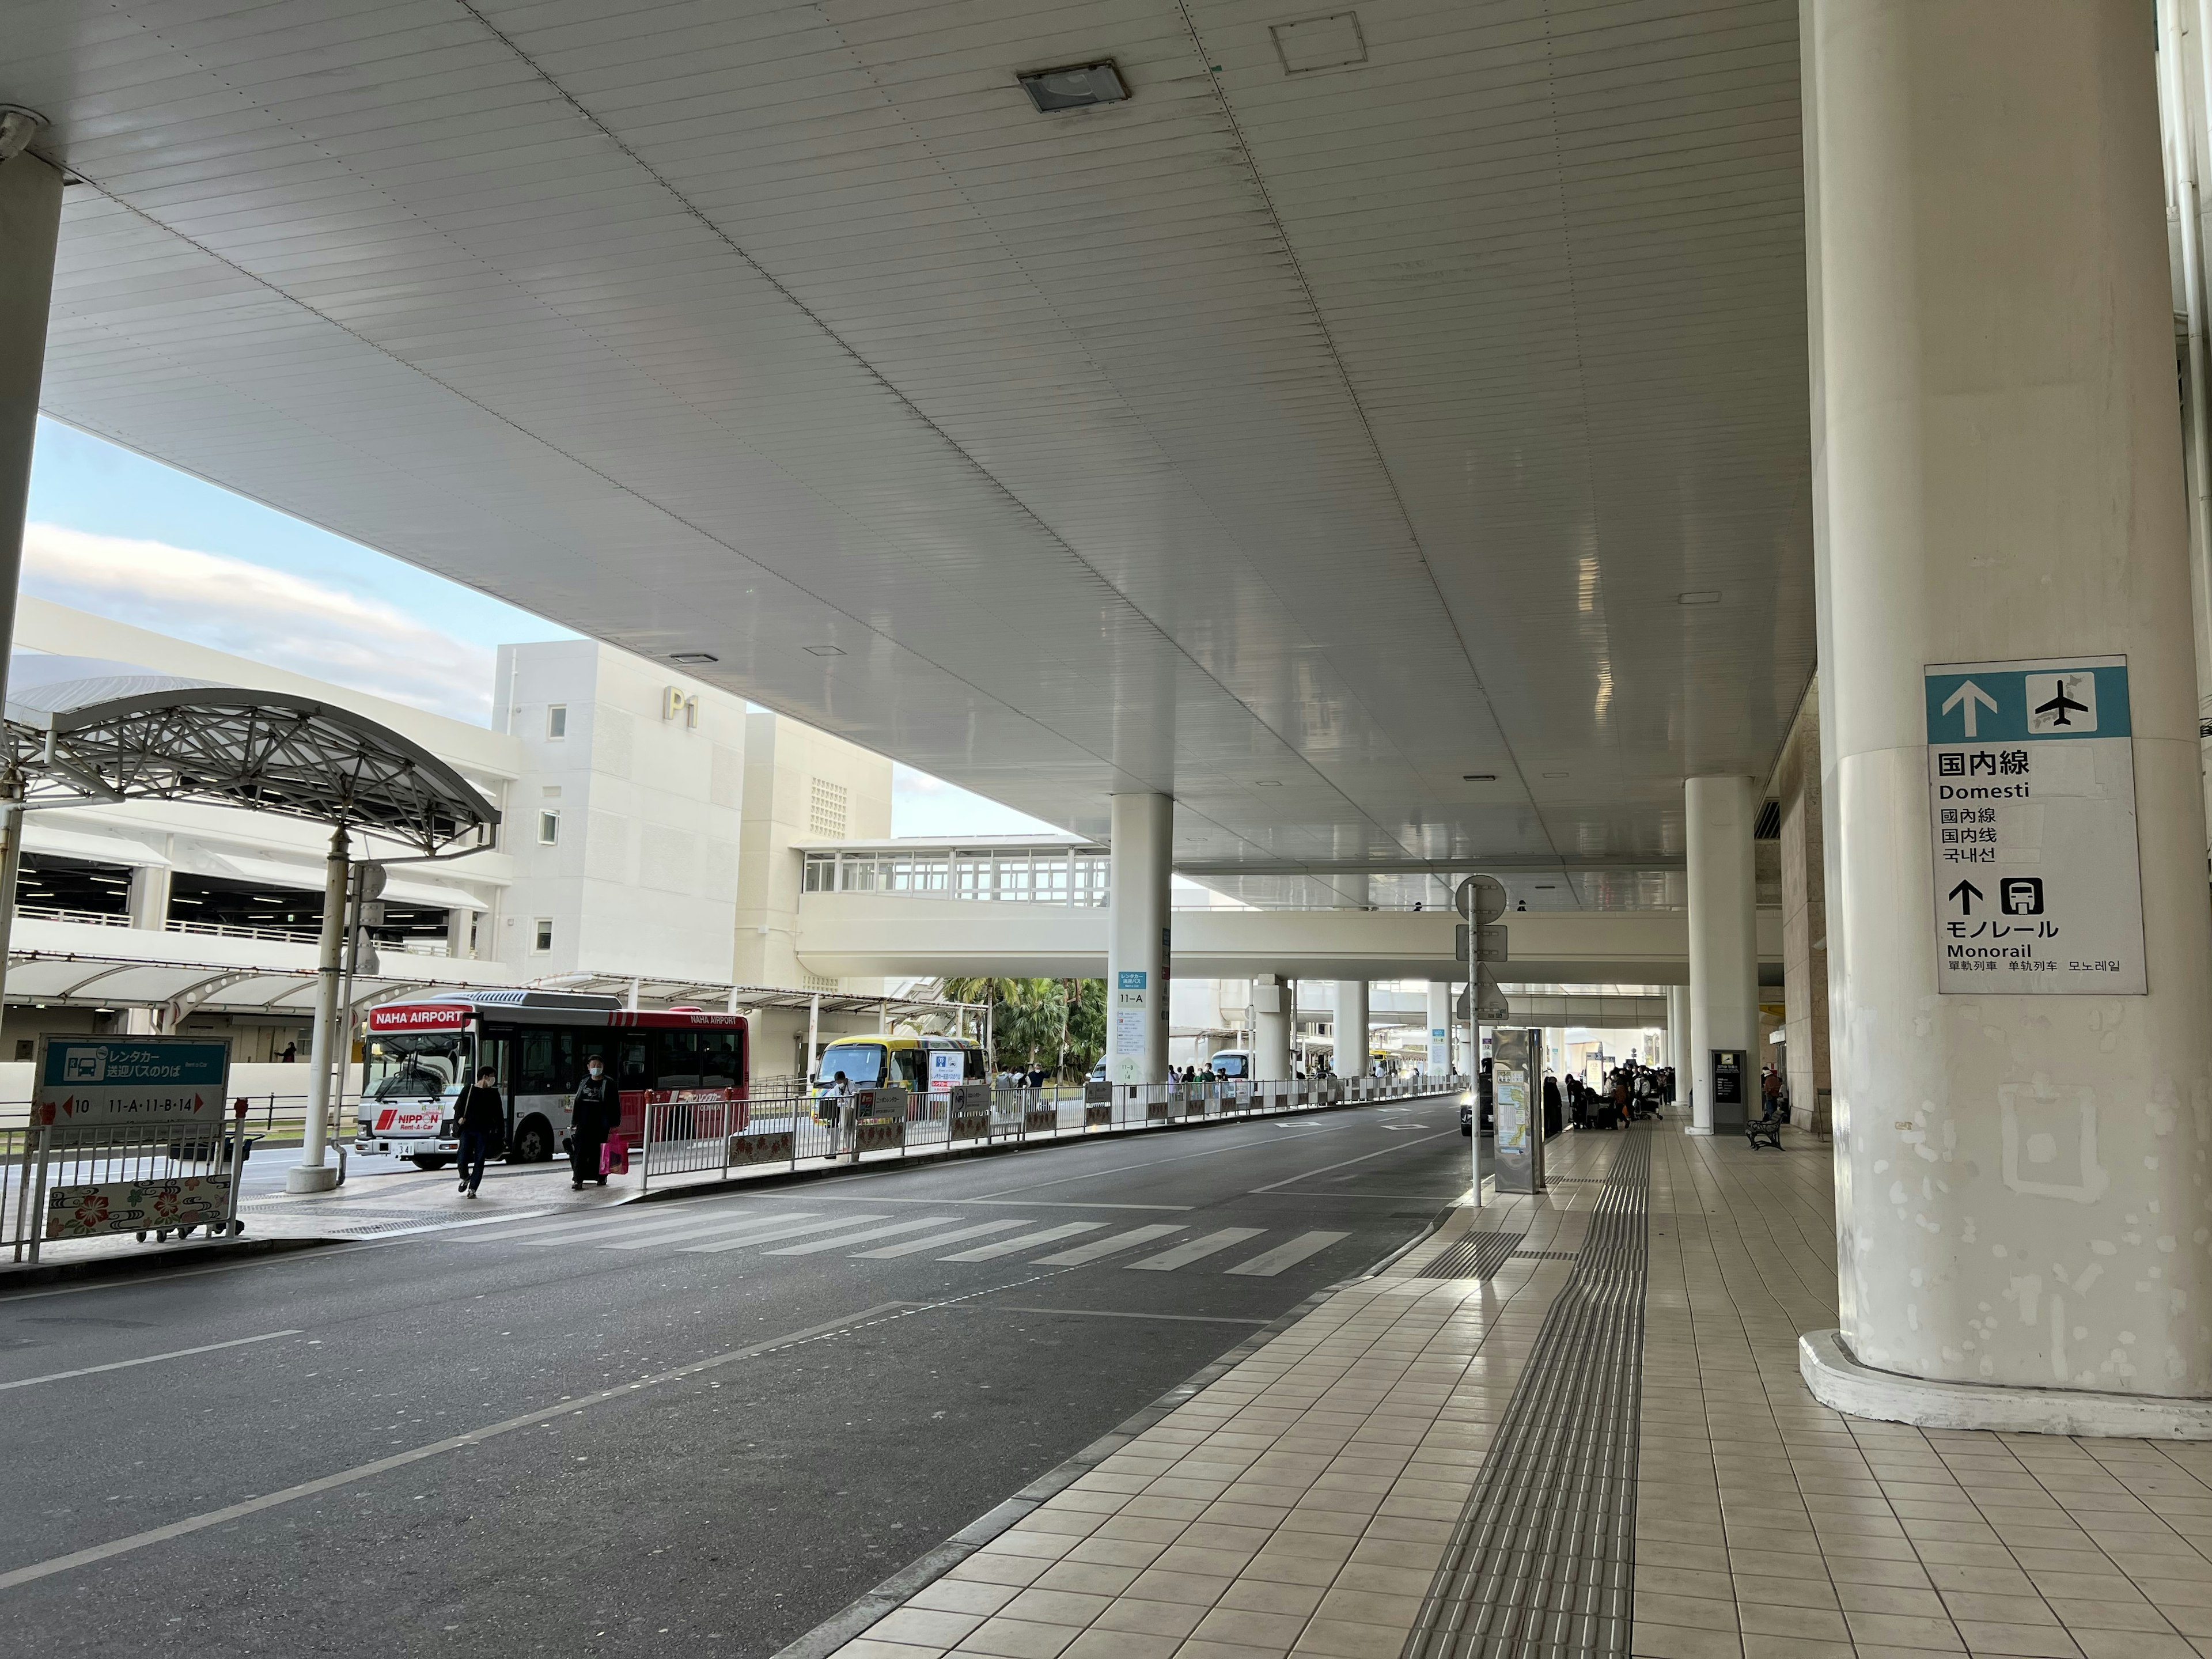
{"x": 1076, "y": 86}
{"x": 1547, "y": 887}
{"x": 824, "y": 650}
{"x": 1479, "y": 777}
{"x": 1702, "y": 596}
{"x": 692, "y": 656}
{"x": 1556, "y": 774}
{"x": 1267, "y": 783}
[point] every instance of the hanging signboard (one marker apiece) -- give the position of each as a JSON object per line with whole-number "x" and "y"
{"x": 2031, "y": 807}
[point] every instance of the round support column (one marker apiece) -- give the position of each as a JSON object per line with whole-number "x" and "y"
{"x": 1720, "y": 813}
{"x": 1351, "y": 1059}
{"x": 1137, "y": 939}
{"x": 2022, "y": 1180}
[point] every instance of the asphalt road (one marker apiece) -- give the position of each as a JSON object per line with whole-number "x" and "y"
{"x": 702, "y": 1426}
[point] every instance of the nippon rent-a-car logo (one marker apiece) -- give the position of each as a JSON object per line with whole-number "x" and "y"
{"x": 84, "y": 1065}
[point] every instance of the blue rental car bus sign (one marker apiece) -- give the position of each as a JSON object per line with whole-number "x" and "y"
{"x": 99, "y": 1082}
{"x": 2031, "y": 807}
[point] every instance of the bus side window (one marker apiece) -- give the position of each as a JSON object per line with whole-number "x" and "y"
{"x": 633, "y": 1073}
{"x": 975, "y": 1065}
{"x": 536, "y": 1075}
{"x": 914, "y": 1068}
{"x": 721, "y": 1061}
{"x": 677, "y": 1054}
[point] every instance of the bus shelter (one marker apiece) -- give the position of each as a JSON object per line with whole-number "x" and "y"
{"x": 79, "y": 729}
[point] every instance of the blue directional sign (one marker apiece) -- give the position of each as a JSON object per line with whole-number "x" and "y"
{"x": 2032, "y": 812}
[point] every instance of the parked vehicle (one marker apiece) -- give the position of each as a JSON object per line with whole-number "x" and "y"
{"x": 927, "y": 1067}
{"x": 420, "y": 1051}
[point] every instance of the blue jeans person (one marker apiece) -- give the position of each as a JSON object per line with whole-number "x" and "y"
{"x": 476, "y": 1148}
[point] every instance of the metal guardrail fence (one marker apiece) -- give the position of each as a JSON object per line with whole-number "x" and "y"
{"x": 69, "y": 1183}
{"x": 786, "y": 1133}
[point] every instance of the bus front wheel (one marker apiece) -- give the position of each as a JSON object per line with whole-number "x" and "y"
{"x": 533, "y": 1142}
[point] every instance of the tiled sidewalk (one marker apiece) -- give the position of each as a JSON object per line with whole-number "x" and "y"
{"x": 1301, "y": 1503}
{"x": 1769, "y": 1525}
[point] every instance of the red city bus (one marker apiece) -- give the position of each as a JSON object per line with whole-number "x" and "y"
{"x": 420, "y": 1051}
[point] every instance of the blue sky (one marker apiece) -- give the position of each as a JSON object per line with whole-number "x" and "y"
{"x": 112, "y": 532}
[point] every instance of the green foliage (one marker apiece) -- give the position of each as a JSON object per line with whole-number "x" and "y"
{"x": 1059, "y": 1024}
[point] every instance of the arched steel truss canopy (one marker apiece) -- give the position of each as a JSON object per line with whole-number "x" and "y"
{"x": 167, "y": 739}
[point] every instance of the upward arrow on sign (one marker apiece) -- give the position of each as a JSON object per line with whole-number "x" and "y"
{"x": 1965, "y": 892}
{"x": 1964, "y": 699}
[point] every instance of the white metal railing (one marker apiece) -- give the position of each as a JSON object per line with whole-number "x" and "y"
{"x": 787, "y": 1132}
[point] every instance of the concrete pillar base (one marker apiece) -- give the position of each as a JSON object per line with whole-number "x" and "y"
{"x": 311, "y": 1178}
{"x": 1840, "y": 1382}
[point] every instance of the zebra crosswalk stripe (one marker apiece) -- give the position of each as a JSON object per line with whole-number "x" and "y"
{"x": 1271, "y": 1262}
{"x": 1197, "y": 1249}
{"x": 936, "y": 1241}
{"x": 797, "y": 1229}
{"x": 676, "y": 1233}
{"x": 1027, "y": 1241}
{"x": 1099, "y": 1249}
{"x": 816, "y": 1246}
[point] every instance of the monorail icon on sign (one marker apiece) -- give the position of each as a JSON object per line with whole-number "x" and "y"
{"x": 2032, "y": 815}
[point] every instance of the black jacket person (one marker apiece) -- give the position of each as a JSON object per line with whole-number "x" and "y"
{"x": 480, "y": 1121}
{"x": 595, "y": 1109}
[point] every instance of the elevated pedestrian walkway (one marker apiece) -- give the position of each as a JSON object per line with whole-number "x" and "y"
{"x": 1574, "y": 1425}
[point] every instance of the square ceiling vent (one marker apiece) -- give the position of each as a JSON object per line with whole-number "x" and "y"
{"x": 1077, "y": 86}
{"x": 1320, "y": 43}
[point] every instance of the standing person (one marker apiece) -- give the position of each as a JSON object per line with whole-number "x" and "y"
{"x": 481, "y": 1118}
{"x": 592, "y": 1110}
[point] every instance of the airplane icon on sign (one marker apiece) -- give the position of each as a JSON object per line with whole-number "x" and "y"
{"x": 2061, "y": 705}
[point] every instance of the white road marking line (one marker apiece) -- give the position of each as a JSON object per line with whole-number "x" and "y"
{"x": 797, "y": 1229}
{"x": 843, "y": 1240}
{"x": 1153, "y": 1164}
{"x": 151, "y": 1358}
{"x": 1394, "y": 1147}
{"x": 1099, "y": 1248}
{"x": 238, "y": 1511}
{"x": 1197, "y": 1250}
{"x": 915, "y": 1246}
{"x": 1115, "y": 1313}
{"x": 1273, "y": 1262}
{"x": 646, "y": 1238}
{"x": 1008, "y": 1246}
{"x": 602, "y": 1216}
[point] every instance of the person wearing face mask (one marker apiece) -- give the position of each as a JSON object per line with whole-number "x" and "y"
{"x": 594, "y": 1110}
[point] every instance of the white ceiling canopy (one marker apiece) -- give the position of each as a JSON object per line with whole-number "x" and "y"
{"x": 1327, "y": 434}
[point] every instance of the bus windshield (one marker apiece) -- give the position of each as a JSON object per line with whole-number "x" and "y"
{"x": 862, "y": 1063}
{"x": 415, "y": 1066}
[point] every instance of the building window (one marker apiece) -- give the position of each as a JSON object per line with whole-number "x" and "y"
{"x": 543, "y": 940}
{"x": 821, "y": 872}
{"x": 549, "y": 829}
{"x": 825, "y": 814}
{"x": 557, "y": 720}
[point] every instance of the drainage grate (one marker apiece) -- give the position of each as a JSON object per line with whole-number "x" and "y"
{"x": 1476, "y": 1256}
{"x": 1541, "y": 1561}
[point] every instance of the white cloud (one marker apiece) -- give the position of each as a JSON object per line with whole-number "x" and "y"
{"x": 926, "y": 805}
{"x": 269, "y": 615}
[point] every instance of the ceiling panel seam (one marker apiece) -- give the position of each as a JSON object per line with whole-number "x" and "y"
{"x": 951, "y": 446}
{"x": 1359, "y": 408}
{"x": 583, "y": 465}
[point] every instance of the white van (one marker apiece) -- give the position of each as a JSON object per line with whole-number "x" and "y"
{"x": 1232, "y": 1063}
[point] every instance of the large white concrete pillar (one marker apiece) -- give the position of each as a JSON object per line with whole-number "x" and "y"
{"x": 1440, "y": 1016}
{"x": 1137, "y": 938}
{"x": 1351, "y": 1028}
{"x": 2022, "y": 1180}
{"x": 1723, "y": 939}
{"x": 1678, "y": 1035}
{"x": 148, "y": 897}
{"x": 1271, "y": 1017}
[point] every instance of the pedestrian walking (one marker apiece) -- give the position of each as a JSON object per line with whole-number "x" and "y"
{"x": 481, "y": 1117}
{"x": 592, "y": 1111}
